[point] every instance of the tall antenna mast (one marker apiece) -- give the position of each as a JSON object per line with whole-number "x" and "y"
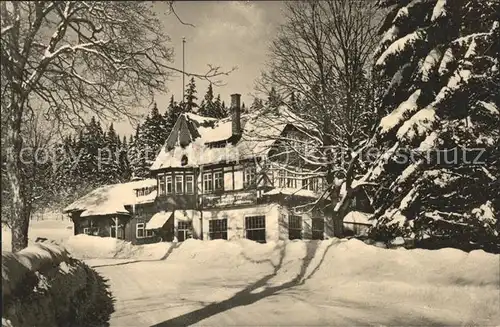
{"x": 183, "y": 71}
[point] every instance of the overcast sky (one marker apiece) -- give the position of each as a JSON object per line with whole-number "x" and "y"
{"x": 227, "y": 34}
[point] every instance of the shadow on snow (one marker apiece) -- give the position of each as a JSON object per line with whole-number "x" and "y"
{"x": 247, "y": 295}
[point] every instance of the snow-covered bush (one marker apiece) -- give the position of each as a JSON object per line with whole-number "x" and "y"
{"x": 43, "y": 286}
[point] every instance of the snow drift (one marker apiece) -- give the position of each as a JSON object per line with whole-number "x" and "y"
{"x": 339, "y": 282}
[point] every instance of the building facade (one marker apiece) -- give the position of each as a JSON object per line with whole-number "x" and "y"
{"x": 225, "y": 179}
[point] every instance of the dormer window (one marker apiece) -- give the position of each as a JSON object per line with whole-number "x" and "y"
{"x": 184, "y": 160}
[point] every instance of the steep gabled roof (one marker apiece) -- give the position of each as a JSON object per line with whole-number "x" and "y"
{"x": 193, "y": 134}
{"x": 112, "y": 199}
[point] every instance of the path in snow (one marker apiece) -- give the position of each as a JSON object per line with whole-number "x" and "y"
{"x": 354, "y": 285}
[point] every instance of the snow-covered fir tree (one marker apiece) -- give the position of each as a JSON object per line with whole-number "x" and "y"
{"x": 154, "y": 130}
{"x": 257, "y": 105}
{"x": 110, "y": 165}
{"x": 123, "y": 160}
{"x": 210, "y": 107}
{"x": 137, "y": 155}
{"x": 274, "y": 100}
{"x": 92, "y": 138}
{"x": 190, "y": 96}
{"x": 223, "y": 110}
{"x": 441, "y": 58}
{"x": 174, "y": 110}
{"x": 207, "y": 104}
{"x": 218, "y": 104}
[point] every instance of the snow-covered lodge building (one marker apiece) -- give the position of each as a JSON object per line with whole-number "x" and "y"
{"x": 215, "y": 179}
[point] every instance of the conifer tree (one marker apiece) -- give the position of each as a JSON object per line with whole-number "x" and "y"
{"x": 154, "y": 131}
{"x": 123, "y": 160}
{"x": 273, "y": 99}
{"x": 110, "y": 157}
{"x": 222, "y": 111}
{"x": 256, "y": 105}
{"x": 171, "y": 115}
{"x": 90, "y": 141}
{"x": 207, "y": 107}
{"x": 218, "y": 106}
{"x": 137, "y": 154}
{"x": 441, "y": 58}
{"x": 190, "y": 97}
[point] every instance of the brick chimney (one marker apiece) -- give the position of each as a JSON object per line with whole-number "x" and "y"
{"x": 236, "y": 114}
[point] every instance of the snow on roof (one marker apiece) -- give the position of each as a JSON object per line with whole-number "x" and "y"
{"x": 260, "y": 131}
{"x": 358, "y": 217}
{"x": 107, "y": 208}
{"x": 111, "y": 199}
{"x": 199, "y": 119}
{"x": 158, "y": 220}
{"x": 222, "y": 130}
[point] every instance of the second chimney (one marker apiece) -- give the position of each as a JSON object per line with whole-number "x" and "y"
{"x": 236, "y": 114}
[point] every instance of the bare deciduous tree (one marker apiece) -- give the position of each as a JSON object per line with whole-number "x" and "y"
{"x": 71, "y": 60}
{"x": 322, "y": 55}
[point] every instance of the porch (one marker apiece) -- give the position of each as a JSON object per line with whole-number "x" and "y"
{"x": 104, "y": 226}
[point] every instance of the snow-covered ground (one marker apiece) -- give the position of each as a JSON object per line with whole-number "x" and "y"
{"x": 339, "y": 283}
{"x": 55, "y": 229}
{"x": 334, "y": 283}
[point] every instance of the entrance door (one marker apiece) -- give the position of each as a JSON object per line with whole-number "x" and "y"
{"x": 184, "y": 230}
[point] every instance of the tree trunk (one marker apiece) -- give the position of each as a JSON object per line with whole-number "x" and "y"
{"x": 20, "y": 208}
{"x": 337, "y": 217}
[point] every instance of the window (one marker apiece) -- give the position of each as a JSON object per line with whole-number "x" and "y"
{"x": 217, "y": 229}
{"x": 318, "y": 228}
{"x": 311, "y": 184}
{"x": 255, "y": 228}
{"x": 218, "y": 181}
{"x": 293, "y": 141}
{"x": 184, "y": 229}
{"x": 179, "y": 184}
{"x": 249, "y": 174}
{"x": 169, "y": 185}
{"x": 294, "y": 227}
{"x": 141, "y": 231}
{"x": 91, "y": 231}
{"x": 189, "y": 184}
{"x": 161, "y": 183}
{"x": 281, "y": 178}
{"x": 207, "y": 182}
{"x": 290, "y": 180}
